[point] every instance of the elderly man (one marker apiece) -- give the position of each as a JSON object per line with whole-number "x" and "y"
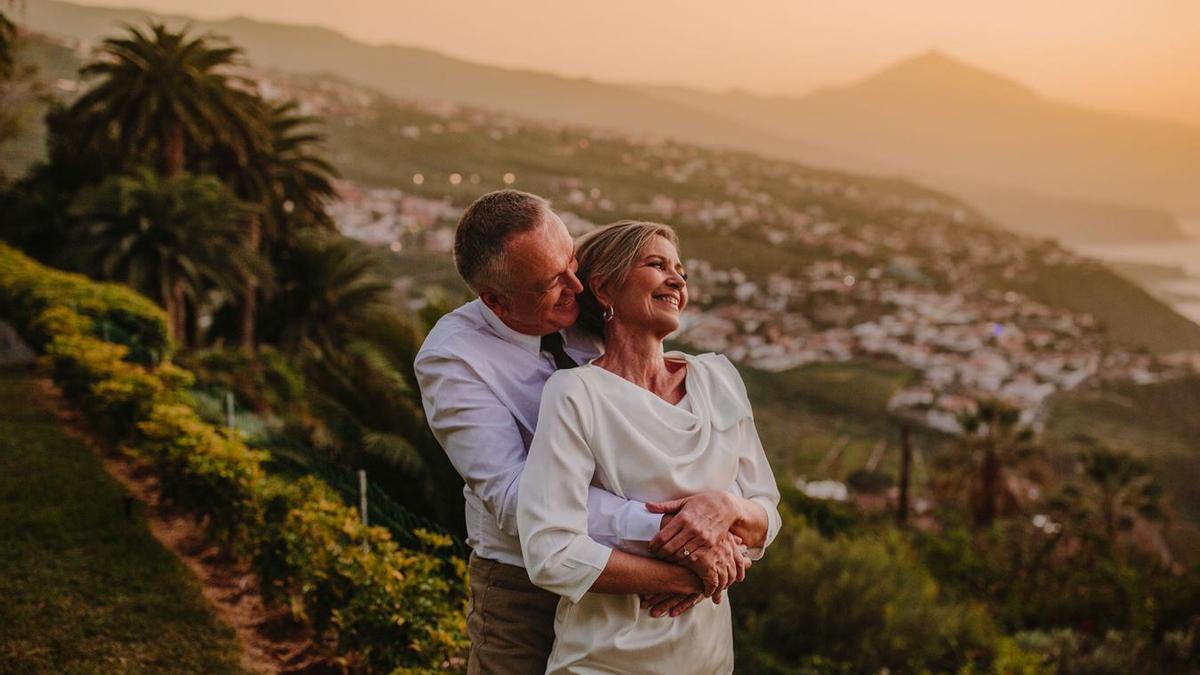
{"x": 481, "y": 372}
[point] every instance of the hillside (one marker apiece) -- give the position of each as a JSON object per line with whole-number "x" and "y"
{"x": 938, "y": 116}
{"x": 413, "y": 73}
{"x": 929, "y": 117}
{"x": 86, "y": 587}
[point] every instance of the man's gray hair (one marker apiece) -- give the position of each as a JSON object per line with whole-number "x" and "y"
{"x": 608, "y": 255}
{"x": 485, "y": 228}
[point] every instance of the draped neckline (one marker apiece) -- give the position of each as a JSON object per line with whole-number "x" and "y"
{"x": 688, "y": 370}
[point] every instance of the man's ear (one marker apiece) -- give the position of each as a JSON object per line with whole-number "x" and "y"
{"x": 494, "y": 301}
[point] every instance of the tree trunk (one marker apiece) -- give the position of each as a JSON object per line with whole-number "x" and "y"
{"x": 905, "y": 461}
{"x": 987, "y": 488}
{"x": 174, "y": 153}
{"x": 179, "y": 300}
{"x": 250, "y": 290}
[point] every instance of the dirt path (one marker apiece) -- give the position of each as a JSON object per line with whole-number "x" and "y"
{"x": 271, "y": 641}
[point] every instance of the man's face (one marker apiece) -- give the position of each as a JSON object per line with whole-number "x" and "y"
{"x": 538, "y": 295}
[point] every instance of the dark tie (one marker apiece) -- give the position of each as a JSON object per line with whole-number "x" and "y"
{"x": 552, "y": 344}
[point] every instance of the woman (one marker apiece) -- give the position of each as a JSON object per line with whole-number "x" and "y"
{"x": 648, "y": 426}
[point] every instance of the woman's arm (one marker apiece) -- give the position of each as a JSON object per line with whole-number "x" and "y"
{"x": 552, "y": 509}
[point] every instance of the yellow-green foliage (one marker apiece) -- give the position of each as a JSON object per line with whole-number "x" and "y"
{"x": 390, "y": 604}
{"x": 28, "y": 289}
{"x": 376, "y": 605}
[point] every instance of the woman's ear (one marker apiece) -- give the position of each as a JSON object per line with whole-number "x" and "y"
{"x": 599, "y": 291}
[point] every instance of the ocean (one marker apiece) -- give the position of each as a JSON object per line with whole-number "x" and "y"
{"x": 1182, "y": 289}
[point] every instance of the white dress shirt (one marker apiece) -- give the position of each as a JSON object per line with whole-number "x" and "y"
{"x": 481, "y": 385}
{"x": 597, "y": 427}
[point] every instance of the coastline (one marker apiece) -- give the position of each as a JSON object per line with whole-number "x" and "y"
{"x": 1168, "y": 270}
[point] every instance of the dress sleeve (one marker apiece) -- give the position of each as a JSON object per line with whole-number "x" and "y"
{"x": 552, "y": 510}
{"x": 755, "y": 479}
{"x": 756, "y": 482}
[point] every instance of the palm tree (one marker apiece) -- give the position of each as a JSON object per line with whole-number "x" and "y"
{"x": 303, "y": 179}
{"x": 1111, "y": 490}
{"x": 8, "y": 35}
{"x": 996, "y": 446}
{"x": 167, "y": 97}
{"x": 289, "y": 183}
{"x": 327, "y": 288}
{"x": 167, "y": 237}
{"x": 367, "y": 394}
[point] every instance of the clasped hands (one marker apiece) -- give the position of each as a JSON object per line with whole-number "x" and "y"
{"x": 695, "y": 533}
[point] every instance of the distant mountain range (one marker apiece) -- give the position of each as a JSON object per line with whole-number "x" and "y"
{"x": 1036, "y": 165}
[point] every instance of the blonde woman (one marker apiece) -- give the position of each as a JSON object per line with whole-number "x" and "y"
{"x": 647, "y": 425}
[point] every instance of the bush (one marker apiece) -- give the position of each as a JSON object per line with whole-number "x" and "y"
{"x": 388, "y": 605}
{"x": 28, "y": 289}
{"x": 856, "y": 604}
{"x": 376, "y": 605}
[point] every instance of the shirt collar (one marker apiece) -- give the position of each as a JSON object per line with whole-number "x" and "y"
{"x": 530, "y": 343}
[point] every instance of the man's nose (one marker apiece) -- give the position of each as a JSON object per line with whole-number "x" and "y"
{"x": 574, "y": 284}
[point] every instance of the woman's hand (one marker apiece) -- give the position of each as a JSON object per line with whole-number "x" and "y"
{"x": 720, "y": 566}
{"x": 692, "y": 523}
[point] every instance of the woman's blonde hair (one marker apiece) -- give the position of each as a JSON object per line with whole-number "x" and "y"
{"x": 608, "y": 255}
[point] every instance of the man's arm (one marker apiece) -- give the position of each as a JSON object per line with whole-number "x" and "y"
{"x": 483, "y": 441}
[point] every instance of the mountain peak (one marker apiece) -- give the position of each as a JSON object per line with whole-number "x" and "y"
{"x": 934, "y": 71}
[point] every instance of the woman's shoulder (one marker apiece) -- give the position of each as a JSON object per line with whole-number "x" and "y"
{"x": 716, "y": 366}
{"x": 722, "y": 382}
{"x": 566, "y": 381}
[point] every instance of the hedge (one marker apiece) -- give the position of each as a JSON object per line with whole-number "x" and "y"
{"x": 374, "y": 605}
{"x": 28, "y": 289}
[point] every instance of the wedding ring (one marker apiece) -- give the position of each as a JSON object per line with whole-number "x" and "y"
{"x": 687, "y": 553}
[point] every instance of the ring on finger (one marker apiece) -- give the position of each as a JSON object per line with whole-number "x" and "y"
{"x": 687, "y": 553}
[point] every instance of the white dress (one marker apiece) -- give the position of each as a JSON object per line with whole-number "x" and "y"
{"x": 595, "y": 427}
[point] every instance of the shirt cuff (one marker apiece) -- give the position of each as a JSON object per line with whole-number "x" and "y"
{"x": 642, "y": 525}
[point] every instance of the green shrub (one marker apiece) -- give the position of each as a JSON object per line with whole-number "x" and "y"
{"x": 858, "y": 602}
{"x": 376, "y": 605}
{"x": 27, "y": 289}
{"x": 387, "y": 605}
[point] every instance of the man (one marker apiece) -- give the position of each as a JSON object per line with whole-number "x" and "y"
{"x": 481, "y": 371}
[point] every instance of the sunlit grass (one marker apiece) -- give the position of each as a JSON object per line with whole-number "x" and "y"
{"x": 83, "y": 587}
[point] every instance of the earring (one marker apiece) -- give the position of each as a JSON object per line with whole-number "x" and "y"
{"x": 608, "y": 313}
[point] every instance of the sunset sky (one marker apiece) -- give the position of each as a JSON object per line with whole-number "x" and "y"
{"x": 1141, "y": 57}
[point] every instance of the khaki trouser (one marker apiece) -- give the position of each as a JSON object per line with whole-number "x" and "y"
{"x": 509, "y": 620}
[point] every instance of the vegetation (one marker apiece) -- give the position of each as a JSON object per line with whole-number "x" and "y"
{"x": 85, "y": 587}
{"x": 173, "y": 177}
{"x": 374, "y": 603}
{"x": 166, "y": 237}
{"x": 169, "y": 96}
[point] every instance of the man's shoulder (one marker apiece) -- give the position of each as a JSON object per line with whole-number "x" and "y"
{"x": 464, "y": 324}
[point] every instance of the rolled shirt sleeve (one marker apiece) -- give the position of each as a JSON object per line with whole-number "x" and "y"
{"x": 553, "y": 511}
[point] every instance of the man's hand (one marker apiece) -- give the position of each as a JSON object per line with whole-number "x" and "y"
{"x": 662, "y": 604}
{"x": 692, "y": 523}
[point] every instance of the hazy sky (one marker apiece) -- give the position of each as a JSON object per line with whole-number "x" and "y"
{"x": 1123, "y": 55}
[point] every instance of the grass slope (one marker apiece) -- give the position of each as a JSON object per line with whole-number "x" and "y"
{"x": 83, "y": 588}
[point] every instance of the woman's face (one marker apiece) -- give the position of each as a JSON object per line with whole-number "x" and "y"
{"x": 655, "y": 291}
